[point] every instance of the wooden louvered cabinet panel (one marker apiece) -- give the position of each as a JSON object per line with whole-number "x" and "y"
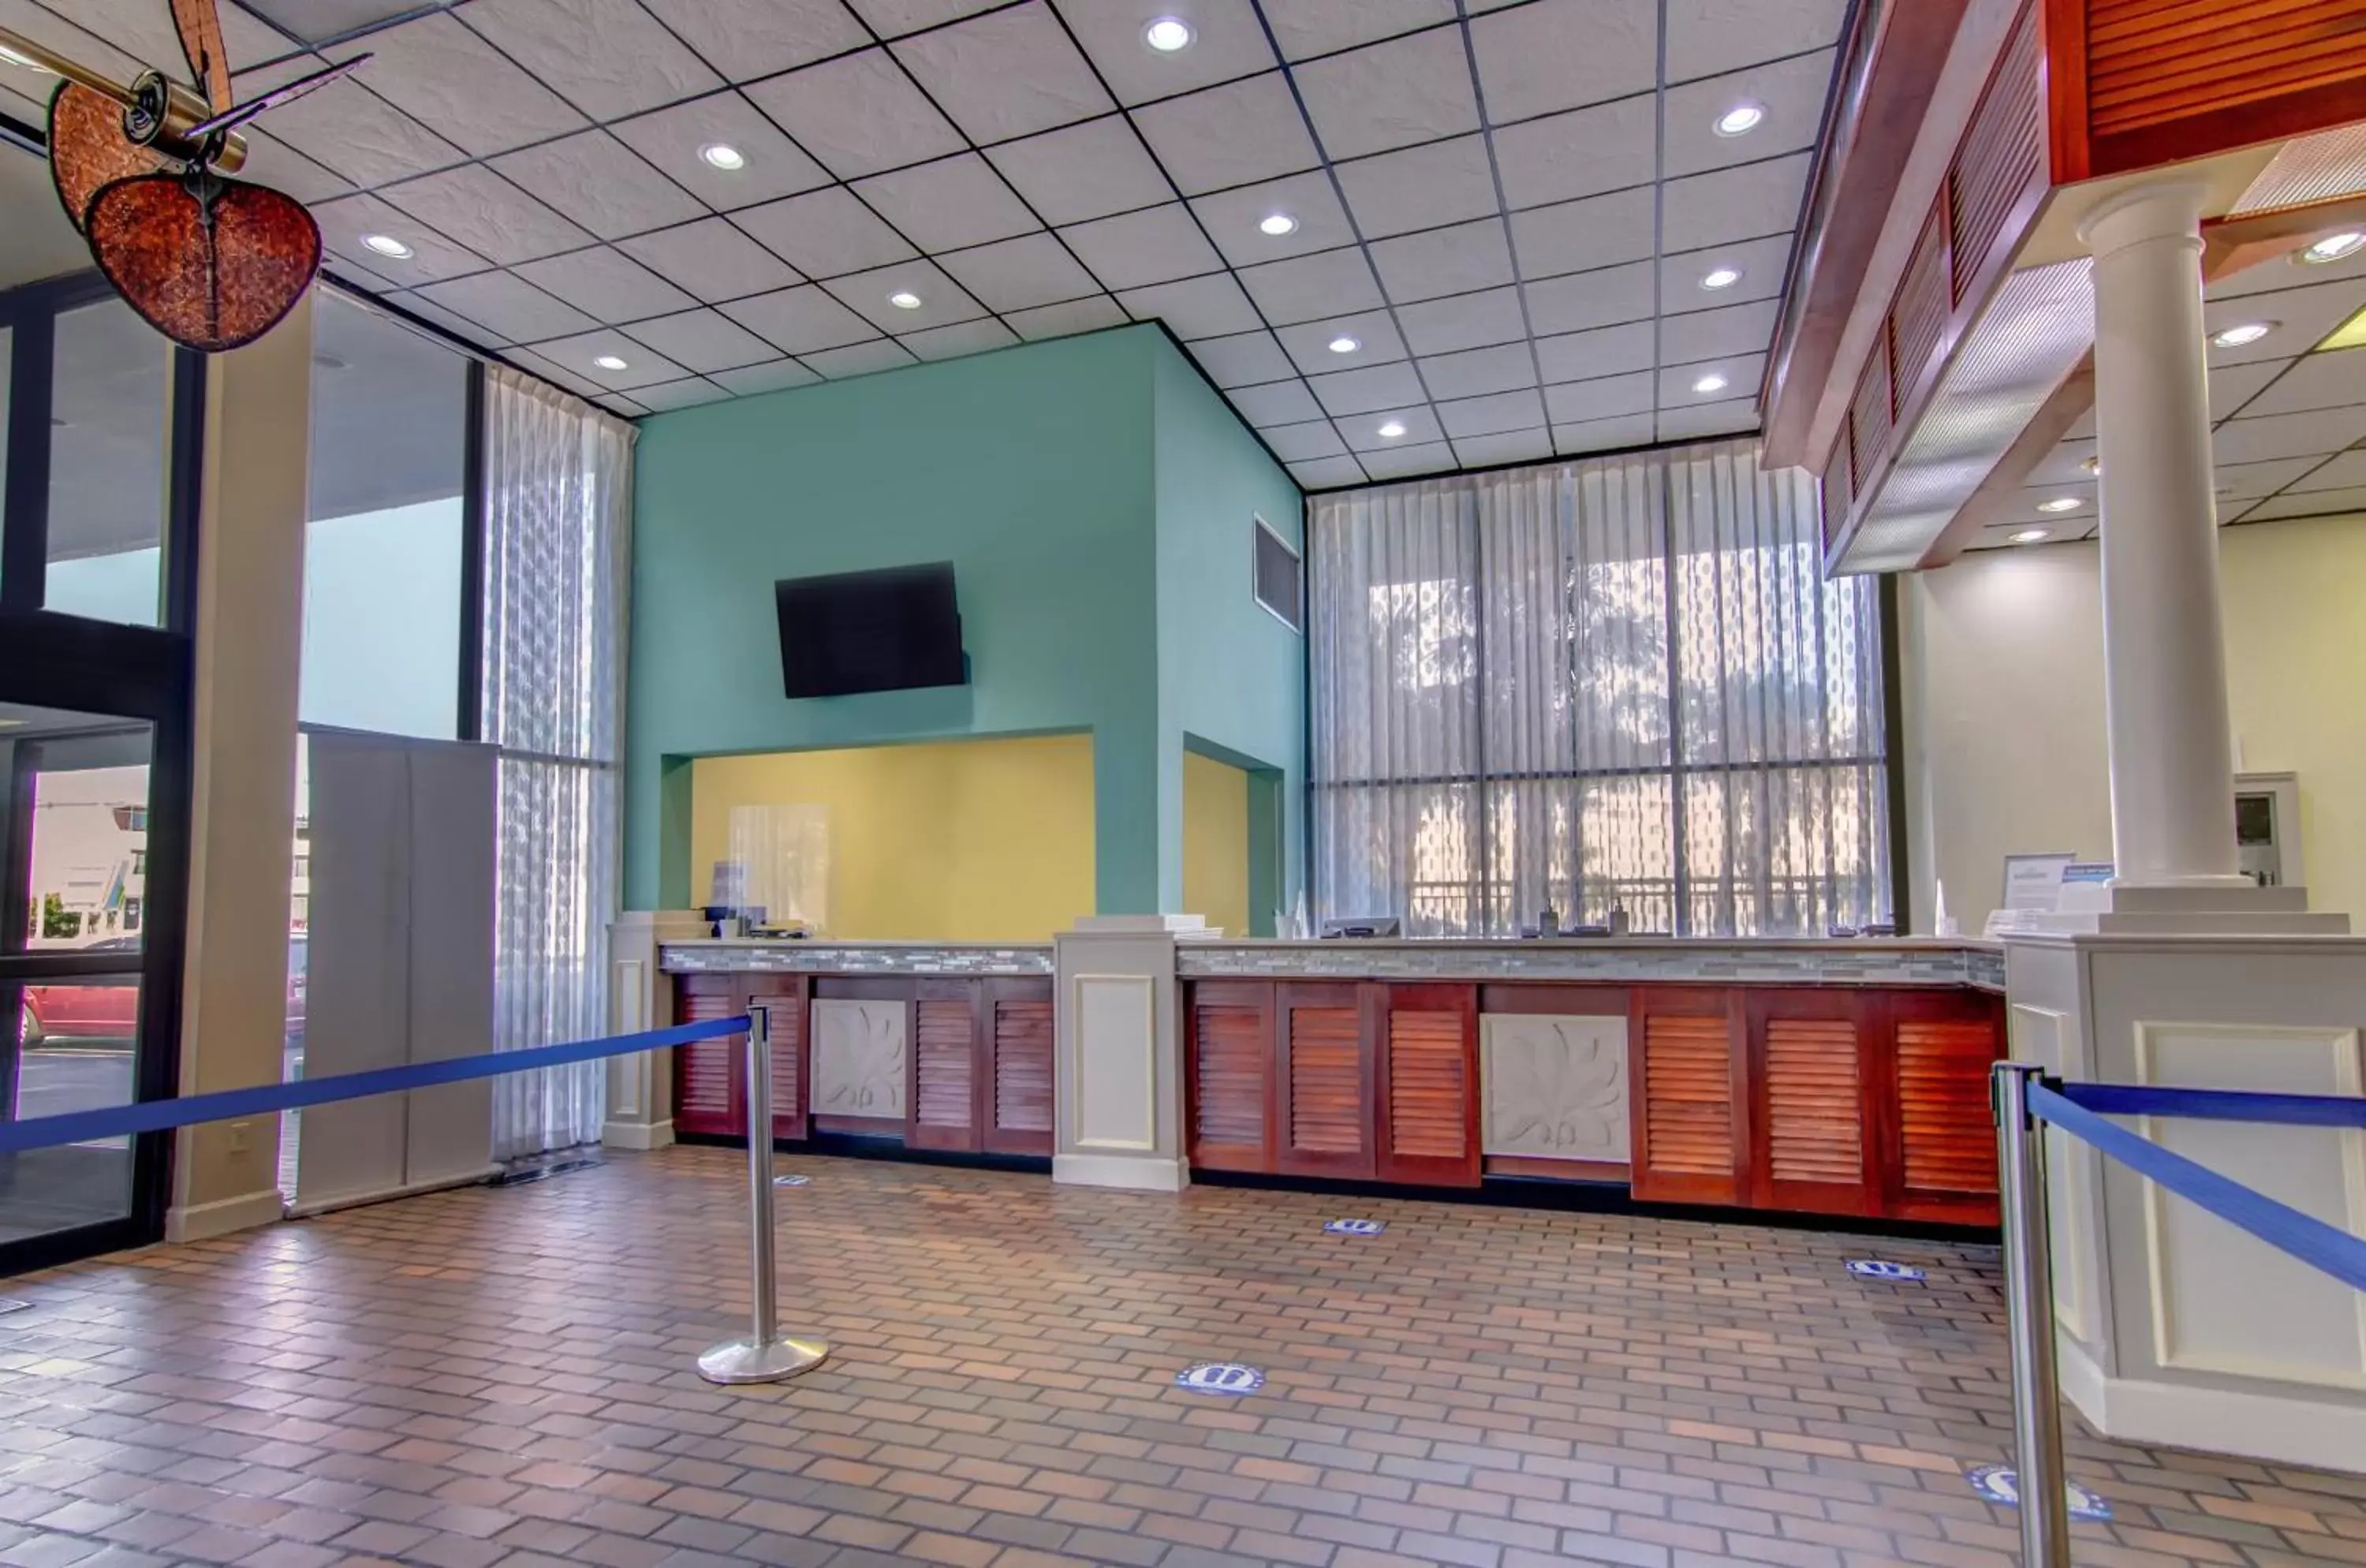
{"x": 1015, "y": 1093}
{"x": 784, "y": 994}
{"x": 1689, "y": 1116}
{"x": 1809, "y": 1081}
{"x": 1324, "y": 1079}
{"x": 709, "y": 1075}
{"x": 1428, "y": 1085}
{"x": 1228, "y": 1075}
{"x": 1942, "y": 1140}
{"x": 943, "y": 1096}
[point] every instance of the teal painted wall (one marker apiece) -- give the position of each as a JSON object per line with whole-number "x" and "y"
{"x": 1094, "y": 495}
{"x": 1232, "y": 679}
{"x": 1031, "y": 470}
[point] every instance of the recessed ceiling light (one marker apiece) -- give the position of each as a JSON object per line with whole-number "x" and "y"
{"x": 1278, "y": 223}
{"x": 2093, "y": 465}
{"x": 2333, "y": 247}
{"x": 26, "y": 60}
{"x": 1343, "y": 343}
{"x": 2031, "y": 535}
{"x": 1741, "y": 119}
{"x": 611, "y": 362}
{"x": 1712, "y": 382}
{"x": 1167, "y": 34}
{"x": 2061, "y": 504}
{"x": 1720, "y": 277}
{"x": 723, "y": 155}
{"x": 1392, "y": 430}
{"x": 388, "y": 245}
{"x": 2248, "y": 333}
{"x": 904, "y": 300}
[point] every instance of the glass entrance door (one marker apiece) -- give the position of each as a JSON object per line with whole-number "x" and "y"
{"x": 73, "y": 916}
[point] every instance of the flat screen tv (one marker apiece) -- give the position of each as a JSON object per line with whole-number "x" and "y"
{"x": 870, "y": 631}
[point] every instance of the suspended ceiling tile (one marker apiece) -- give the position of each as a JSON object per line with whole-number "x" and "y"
{"x": 558, "y": 375}
{"x": 1243, "y": 360}
{"x": 1303, "y": 443}
{"x": 1415, "y": 423}
{"x": 1386, "y": 95}
{"x": 1064, "y": 320}
{"x": 767, "y": 377}
{"x": 825, "y": 232}
{"x": 1504, "y": 447}
{"x": 2308, "y": 504}
{"x": 1682, "y": 385}
{"x": 1405, "y": 462}
{"x": 872, "y": 294}
{"x": 344, "y": 220}
{"x": 1467, "y": 320}
{"x": 1605, "y": 351}
{"x": 608, "y": 286}
{"x": 1374, "y": 334}
{"x": 2297, "y": 387}
{"x": 642, "y": 366}
{"x": 1327, "y": 473}
{"x": 1368, "y": 390}
{"x": 146, "y": 29}
{"x": 2319, "y": 432}
{"x": 1582, "y": 300}
{"x": 1562, "y": 54}
{"x": 1307, "y": 288}
{"x": 609, "y": 57}
{"x": 2066, "y": 464}
{"x": 1735, "y": 417}
{"x": 1420, "y": 188}
{"x": 510, "y": 305}
{"x": 2301, "y": 319}
{"x": 684, "y": 394}
{"x": 1730, "y": 206}
{"x": 892, "y": 17}
{"x": 1232, "y": 135}
{"x": 1309, "y": 28}
{"x": 702, "y": 341}
{"x": 1732, "y": 328}
{"x": 2287, "y": 271}
{"x": 2347, "y": 471}
{"x": 1760, "y": 264}
{"x": 1475, "y": 372}
{"x": 711, "y": 260}
{"x": 749, "y": 38}
{"x": 1459, "y": 260}
{"x": 601, "y": 184}
{"x": 800, "y": 321}
{"x": 1233, "y": 219}
{"x": 436, "y": 315}
{"x": 1708, "y": 37}
{"x": 275, "y": 164}
{"x": 1603, "y": 434}
{"x": 1017, "y": 275}
{"x": 1604, "y": 398}
{"x": 1007, "y": 73}
{"x": 1586, "y": 152}
{"x": 1227, "y": 42}
{"x": 1278, "y": 402}
{"x": 673, "y": 140}
{"x": 1791, "y": 93}
{"x": 963, "y": 337}
{"x": 485, "y": 212}
{"x": 359, "y": 135}
{"x": 2251, "y": 482}
{"x": 858, "y": 114}
{"x": 1195, "y": 308}
{"x": 948, "y": 205}
{"x": 860, "y": 359}
{"x": 1083, "y": 172}
{"x": 451, "y": 81}
{"x": 1156, "y": 244}
{"x": 1494, "y": 414}
{"x": 1578, "y": 236}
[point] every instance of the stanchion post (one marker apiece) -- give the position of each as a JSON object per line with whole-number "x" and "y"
{"x": 2041, "y": 1481}
{"x": 766, "y": 1356}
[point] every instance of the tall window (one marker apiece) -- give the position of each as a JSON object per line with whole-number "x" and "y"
{"x": 1615, "y": 683}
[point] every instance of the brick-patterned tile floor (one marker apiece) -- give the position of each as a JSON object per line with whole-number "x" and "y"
{"x": 503, "y": 1376}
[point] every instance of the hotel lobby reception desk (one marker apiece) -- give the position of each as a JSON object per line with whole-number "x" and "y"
{"x": 1842, "y": 1078}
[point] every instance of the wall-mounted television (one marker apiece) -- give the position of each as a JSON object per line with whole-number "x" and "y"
{"x": 870, "y": 631}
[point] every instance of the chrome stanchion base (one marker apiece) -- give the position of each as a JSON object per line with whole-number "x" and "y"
{"x": 744, "y": 1360}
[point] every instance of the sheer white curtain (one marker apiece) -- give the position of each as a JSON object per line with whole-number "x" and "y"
{"x": 1513, "y": 709}
{"x": 558, "y": 491}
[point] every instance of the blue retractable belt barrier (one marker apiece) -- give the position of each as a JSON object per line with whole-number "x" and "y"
{"x": 2219, "y": 1104}
{"x": 155, "y": 1115}
{"x": 2311, "y": 1240}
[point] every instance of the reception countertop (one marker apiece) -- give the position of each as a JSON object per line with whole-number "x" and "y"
{"x": 1903, "y": 961}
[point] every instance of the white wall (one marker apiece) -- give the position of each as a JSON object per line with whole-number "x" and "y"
{"x": 2003, "y": 676}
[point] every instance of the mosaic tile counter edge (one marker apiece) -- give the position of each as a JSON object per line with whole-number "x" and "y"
{"x": 1877, "y": 963}
{"x": 854, "y": 958}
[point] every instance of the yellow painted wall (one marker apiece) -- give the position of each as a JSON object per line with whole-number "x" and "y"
{"x": 1216, "y": 842}
{"x": 2004, "y": 698}
{"x": 971, "y": 840}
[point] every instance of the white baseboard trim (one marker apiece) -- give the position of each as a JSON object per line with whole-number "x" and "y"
{"x": 642, "y": 1135}
{"x": 305, "y": 1211}
{"x": 1137, "y": 1173}
{"x": 203, "y": 1221}
{"x": 2323, "y": 1433}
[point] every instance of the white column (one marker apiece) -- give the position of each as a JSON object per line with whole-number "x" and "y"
{"x": 1118, "y": 1041}
{"x": 2163, "y": 660}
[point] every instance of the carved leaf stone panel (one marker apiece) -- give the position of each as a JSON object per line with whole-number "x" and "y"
{"x": 1555, "y": 1086}
{"x": 859, "y": 1062}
